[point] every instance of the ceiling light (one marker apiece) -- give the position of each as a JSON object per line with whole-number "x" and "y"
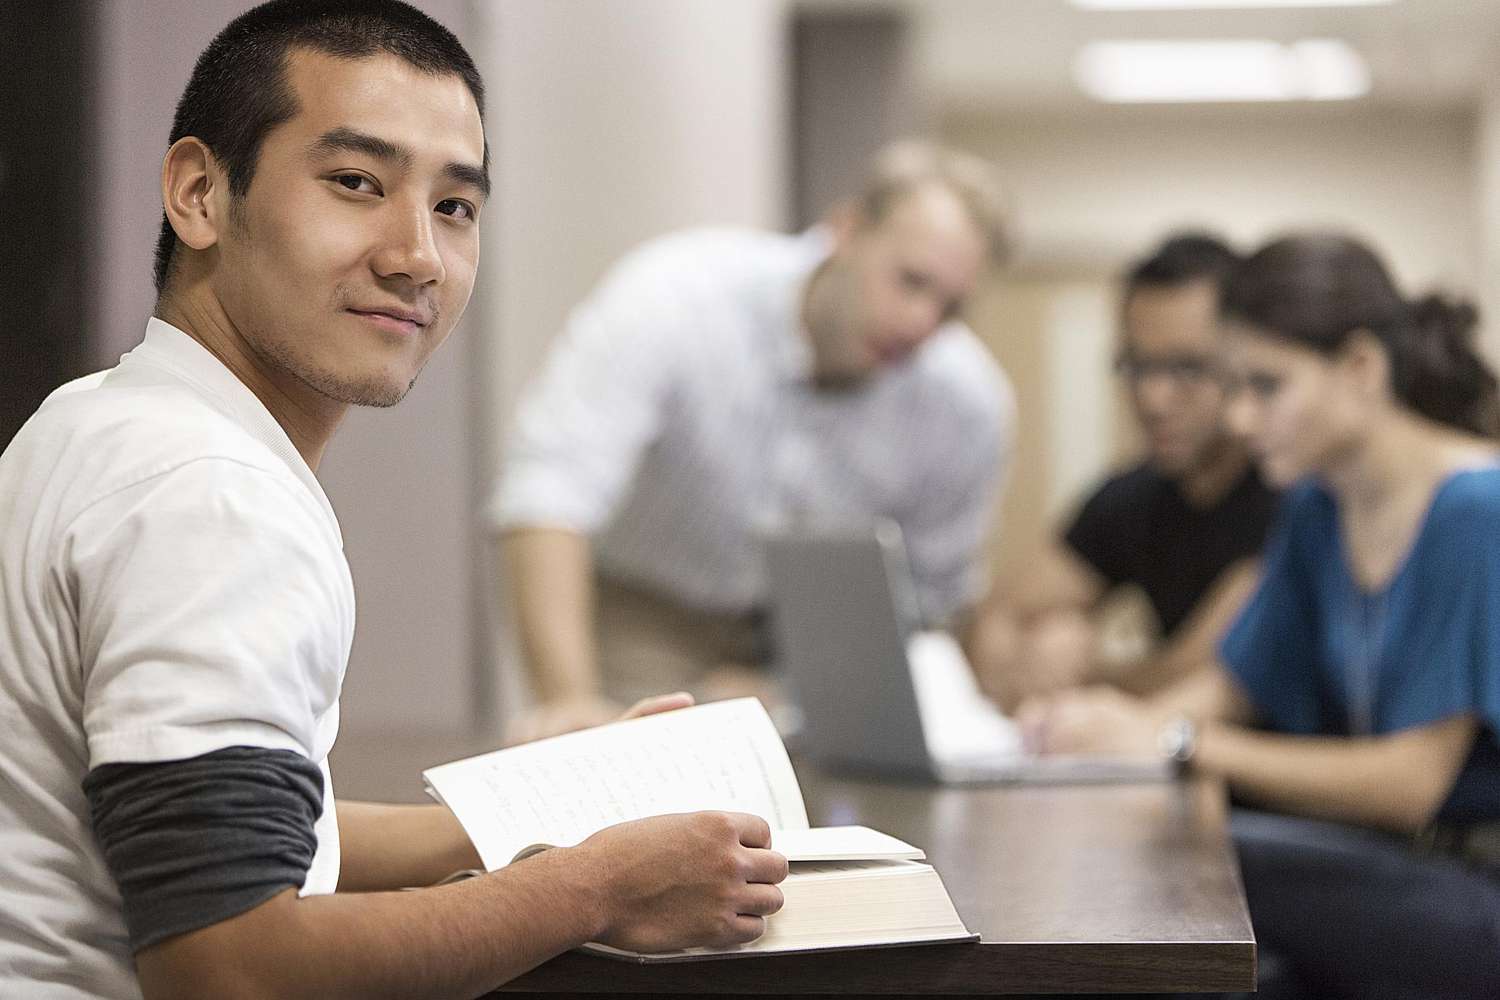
{"x": 1221, "y": 70}
{"x": 1218, "y": 4}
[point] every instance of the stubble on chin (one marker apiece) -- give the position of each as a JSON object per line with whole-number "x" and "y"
{"x": 359, "y": 392}
{"x": 352, "y": 390}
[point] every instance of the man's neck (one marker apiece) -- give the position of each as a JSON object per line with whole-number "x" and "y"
{"x": 308, "y": 417}
{"x": 1211, "y": 479}
{"x": 814, "y": 315}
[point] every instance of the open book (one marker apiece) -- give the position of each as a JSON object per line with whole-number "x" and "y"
{"x": 849, "y": 887}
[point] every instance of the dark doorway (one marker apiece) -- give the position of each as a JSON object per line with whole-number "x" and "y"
{"x": 45, "y": 216}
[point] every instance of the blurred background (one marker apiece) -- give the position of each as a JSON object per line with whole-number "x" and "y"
{"x": 614, "y": 120}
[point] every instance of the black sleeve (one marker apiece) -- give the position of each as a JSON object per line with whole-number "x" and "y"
{"x": 193, "y": 842}
{"x": 1104, "y": 532}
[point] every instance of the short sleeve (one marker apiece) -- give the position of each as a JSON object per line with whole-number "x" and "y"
{"x": 1449, "y": 662}
{"x": 213, "y": 611}
{"x": 1271, "y": 648}
{"x": 597, "y": 404}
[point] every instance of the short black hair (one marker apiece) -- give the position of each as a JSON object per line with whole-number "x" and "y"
{"x": 239, "y": 89}
{"x": 1182, "y": 259}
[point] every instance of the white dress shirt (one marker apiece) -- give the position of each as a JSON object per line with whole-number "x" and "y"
{"x": 677, "y": 419}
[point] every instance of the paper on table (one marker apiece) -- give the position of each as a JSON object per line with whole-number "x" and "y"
{"x": 725, "y": 755}
{"x": 842, "y": 843}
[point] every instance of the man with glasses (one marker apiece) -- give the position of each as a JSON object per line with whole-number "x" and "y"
{"x": 1184, "y": 525}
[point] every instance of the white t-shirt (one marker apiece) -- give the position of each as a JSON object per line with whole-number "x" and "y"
{"x": 172, "y": 582}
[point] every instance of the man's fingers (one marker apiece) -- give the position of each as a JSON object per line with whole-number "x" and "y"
{"x": 760, "y": 900}
{"x": 743, "y": 929}
{"x": 658, "y": 703}
{"x": 765, "y": 866}
{"x": 1032, "y": 718}
{"x": 754, "y": 831}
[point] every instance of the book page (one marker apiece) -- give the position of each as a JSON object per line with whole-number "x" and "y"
{"x": 803, "y": 871}
{"x": 841, "y": 843}
{"x": 724, "y": 755}
{"x": 852, "y": 904}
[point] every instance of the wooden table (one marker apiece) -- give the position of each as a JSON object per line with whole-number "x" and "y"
{"x": 1081, "y": 889}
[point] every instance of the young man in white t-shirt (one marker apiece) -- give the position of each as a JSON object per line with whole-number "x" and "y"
{"x": 177, "y": 610}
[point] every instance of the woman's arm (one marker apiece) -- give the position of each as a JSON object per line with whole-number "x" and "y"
{"x": 1396, "y": 781}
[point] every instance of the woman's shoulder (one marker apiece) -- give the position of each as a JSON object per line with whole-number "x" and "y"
{"x": 1469, "y": 500}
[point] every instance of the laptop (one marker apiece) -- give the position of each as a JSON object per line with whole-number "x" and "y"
{"x": 875, "y": 692}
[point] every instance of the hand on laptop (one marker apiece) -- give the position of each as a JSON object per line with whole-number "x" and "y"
{"x": 1091, "y": 720}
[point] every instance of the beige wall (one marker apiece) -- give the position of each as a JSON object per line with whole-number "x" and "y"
{"x": 1487, "y": 214}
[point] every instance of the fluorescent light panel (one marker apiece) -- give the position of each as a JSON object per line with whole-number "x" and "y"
{"x": 1220, "y": 70}
{"x": 1219, "y": 4}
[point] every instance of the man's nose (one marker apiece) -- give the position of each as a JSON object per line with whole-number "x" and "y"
{"x": 409, "y": 247}
{"x": 1155, "y": 391}
{"x": 1241, "y": 414}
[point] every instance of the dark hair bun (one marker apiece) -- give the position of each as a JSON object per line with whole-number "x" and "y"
{"x": 1444, "y": 376}
{"x": 1451, "y": 319}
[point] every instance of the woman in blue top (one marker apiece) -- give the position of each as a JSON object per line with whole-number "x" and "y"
{"x": 1358, "y": 695}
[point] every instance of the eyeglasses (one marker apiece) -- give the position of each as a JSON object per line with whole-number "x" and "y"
{"x": 1182, "y": 370}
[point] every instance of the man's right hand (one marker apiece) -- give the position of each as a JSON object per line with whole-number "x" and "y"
{"x": 705, "y": 879}
{"x": 562, "y": 715}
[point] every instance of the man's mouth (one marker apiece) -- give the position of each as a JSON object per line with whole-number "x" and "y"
{"x": 397, "y": 319}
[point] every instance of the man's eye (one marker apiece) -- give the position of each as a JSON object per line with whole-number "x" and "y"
{"x": 1263, "y": 385}
{"x": 1187, "y": 369}
{"x": 914, "y": 281}
{"x": 456, "y": 209}
{"x": 356, "y": 182}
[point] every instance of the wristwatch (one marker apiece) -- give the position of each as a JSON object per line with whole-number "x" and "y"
{"x": 1177, "y": 741}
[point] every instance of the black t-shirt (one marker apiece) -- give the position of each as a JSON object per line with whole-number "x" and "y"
{"x": 1138, "y": 528}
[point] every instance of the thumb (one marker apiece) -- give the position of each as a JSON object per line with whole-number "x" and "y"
{"x": 657, "y": 704}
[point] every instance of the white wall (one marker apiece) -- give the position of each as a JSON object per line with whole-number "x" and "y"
{"x": 613, "y": 122}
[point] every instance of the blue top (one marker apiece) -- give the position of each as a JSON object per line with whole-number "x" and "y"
{"x": 1318, "y": 654}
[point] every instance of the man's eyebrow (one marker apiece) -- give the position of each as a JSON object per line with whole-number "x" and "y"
{"x": 466, "y": 173}
{"x": 348, "y": 140}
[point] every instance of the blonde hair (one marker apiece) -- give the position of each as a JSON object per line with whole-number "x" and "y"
{"x": 909, "y": 164}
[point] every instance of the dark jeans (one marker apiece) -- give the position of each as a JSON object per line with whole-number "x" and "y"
{"x": 1340, "y": 911}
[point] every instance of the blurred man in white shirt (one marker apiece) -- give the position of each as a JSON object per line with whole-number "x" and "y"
{"x": 717, "y": 383}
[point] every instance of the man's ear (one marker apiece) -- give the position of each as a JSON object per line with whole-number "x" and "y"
{"x": 843, "y": 220}
{"x": 194, "y": 193}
